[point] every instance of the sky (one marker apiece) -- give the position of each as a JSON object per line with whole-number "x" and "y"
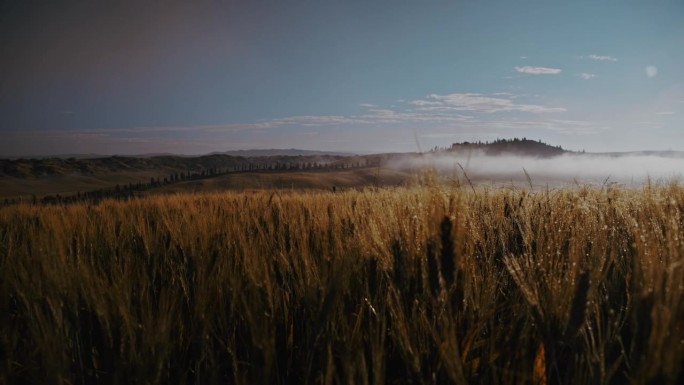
{"x": 138, "y": 77}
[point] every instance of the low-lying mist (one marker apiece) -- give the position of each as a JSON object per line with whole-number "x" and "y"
{"x": 567, "y": 168}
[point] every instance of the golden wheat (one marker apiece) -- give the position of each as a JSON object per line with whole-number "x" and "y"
{"x": 429, "y": 284}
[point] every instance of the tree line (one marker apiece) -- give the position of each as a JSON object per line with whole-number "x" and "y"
{"x": 129, "y": 190}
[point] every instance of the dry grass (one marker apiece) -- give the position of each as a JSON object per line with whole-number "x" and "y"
{"x": 432, "y": 284}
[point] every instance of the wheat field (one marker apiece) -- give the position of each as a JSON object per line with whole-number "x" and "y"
{"x": 436, "y": 283}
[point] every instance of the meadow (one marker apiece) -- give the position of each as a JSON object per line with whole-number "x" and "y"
{"x": 435, "y": 283}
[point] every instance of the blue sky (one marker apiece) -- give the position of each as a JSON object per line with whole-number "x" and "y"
{"x": 368, "y": 76}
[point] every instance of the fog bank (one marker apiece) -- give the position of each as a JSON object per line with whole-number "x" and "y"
{"x": 583, "y": 168}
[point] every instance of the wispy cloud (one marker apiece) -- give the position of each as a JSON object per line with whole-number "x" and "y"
{"x": 647, "y": 123}
{"x": 586, "y": 75}
{"x": 391, "y": 116}
{"x": 435, "y": 117}
{"x": 461, "y": 108}
{"x": 423, "y": 103}
{"x": 575, "y": 127}
{"x": 316, "y": 120}
{"x": 560, "y": 126}
{"x": 441, "y": 135}
{"x": 601, "y": 57}
{"x": 538, "y": 70}
{"x": 478, "y": 103}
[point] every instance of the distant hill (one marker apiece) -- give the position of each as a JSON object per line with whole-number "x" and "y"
{"x": 280, "y": 152}
{"x": 245, "y": 153}
{"x": 43, "y": 177}
{"x": 523, "y": 147}
{"x": 49, "y": 167}
{"x": 59, "y": 156}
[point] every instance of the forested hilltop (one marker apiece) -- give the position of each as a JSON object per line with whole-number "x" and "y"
{"x": 524, "y": 146}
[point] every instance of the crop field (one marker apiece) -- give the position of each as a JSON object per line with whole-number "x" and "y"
{"x": 432, "y": 284}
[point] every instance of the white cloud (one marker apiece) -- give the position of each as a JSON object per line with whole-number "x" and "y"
{"x": 538, "y": 70}
{"x": 423, "y": 103}
{"x": 565, "y": 127}
{"x": 478, "y": 103}
{"x": 441, "y": 135}
{"x": 651, "y": 71}
{"x": 586, "y": 76}
{"x": 506, "y": 94}
{"x": 426, "y": 114}
{"x": 602, "y": 58}
{"x": 316, "y": 120}
{"x": 646, "y": 123}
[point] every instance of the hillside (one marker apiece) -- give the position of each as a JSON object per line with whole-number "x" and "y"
{"x": 35, "y": 168}
{"x": 293, "y": 180}
{"x": 50, "y": 176}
